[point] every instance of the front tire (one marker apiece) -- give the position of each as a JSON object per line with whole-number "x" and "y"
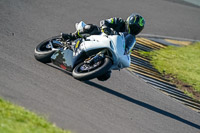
{"x": 42, "y": 53}
{"x": 87, "y": 75}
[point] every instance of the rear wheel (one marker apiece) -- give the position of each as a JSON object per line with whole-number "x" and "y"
{"x": 43, "y": 52}
{"x": 84, "y": 71}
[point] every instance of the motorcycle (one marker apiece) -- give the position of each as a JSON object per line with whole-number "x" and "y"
{"x": 87, "y": 58}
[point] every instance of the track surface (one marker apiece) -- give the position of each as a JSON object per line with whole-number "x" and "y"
{"x": 124, "y": 103}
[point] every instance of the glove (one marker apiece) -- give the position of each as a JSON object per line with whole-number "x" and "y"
{"x": 65, "y": 36}
{"x": 108, "y": 31}
{"x": 71, "y": 36}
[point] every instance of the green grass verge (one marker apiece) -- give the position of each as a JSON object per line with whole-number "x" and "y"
{"x": 15, "y": 119}
{"x": 182, "y": 62}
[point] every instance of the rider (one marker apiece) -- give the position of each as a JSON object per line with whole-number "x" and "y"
{"x": 130, "y": 27}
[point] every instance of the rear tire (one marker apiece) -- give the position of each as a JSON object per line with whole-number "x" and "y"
{"x": 44, "y": 55}
{"x": 102, "y": 69}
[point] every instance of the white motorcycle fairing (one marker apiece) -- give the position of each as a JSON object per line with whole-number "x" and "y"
{"x": 114, "y": 43}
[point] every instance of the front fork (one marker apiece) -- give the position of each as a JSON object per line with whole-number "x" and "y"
{"x": 94, "y": 59}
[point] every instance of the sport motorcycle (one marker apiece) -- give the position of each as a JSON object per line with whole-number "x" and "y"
{"x": 86, "y": 58}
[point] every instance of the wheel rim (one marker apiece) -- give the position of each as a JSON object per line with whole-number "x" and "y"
{"x": 46, "y": 46}
{"x": 88, "y": 67}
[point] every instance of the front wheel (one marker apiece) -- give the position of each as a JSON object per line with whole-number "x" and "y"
{"x": 85, "y": 71}
{"x": 42, "y": 52}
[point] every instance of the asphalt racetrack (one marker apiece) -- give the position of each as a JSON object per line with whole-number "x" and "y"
{"x": 124, "y": 103}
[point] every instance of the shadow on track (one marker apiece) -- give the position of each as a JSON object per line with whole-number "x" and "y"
{"x": 145, "y": 105}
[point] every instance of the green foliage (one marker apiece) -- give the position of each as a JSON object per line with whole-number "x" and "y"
{"x": 189, "y": 94}
{"x": 15, "y": 119}
{"x": 183, "y": 62}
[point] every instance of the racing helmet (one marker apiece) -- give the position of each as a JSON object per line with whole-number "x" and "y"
{"x": 135, "y": 24}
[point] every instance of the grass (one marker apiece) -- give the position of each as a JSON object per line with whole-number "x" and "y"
{"x": 181, "y": 62}
{"x": 15, "y": 119}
